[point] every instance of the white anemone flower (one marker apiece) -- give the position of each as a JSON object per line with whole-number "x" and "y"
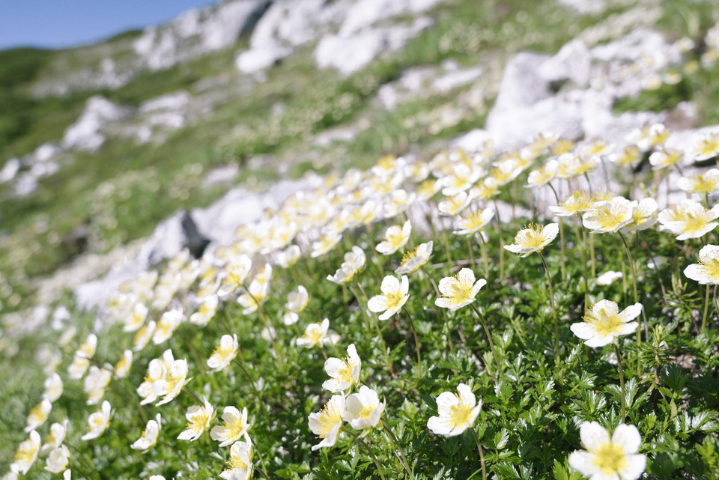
{"x": 235, "y": 426}
{"x": 343, "y": 373}
{"x": 98, "y": 422}
{"x": 150, "y": 435}
{"x": 456, "y": 412}
{"x": 707, "y": 272}
{"x": 363, "y": 409}
{"x": 394, "y": 295}
{"x": 327, "y": 422}
{"x": 609, "y": 458}
{"x": 603, "y": 323}
{"x": 198, "y": 420}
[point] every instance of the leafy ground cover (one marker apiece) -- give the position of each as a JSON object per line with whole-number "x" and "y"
{"x": 536, "y": 389}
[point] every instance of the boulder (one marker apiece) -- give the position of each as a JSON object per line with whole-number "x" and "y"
{"x": 350, "y": 53}
{"x": 86, "y": 134}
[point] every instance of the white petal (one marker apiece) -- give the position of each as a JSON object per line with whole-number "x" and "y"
{"x": 634, "y": 468}
{"x": 583, "y": 462}
{"x": 628, "y": 437}
{"x": 583, "y": 330}
{"x": 631, "y": 312}
{"x": 593, "y": 435}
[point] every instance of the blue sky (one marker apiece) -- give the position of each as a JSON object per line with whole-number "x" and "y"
{"x": 66, "y": 23}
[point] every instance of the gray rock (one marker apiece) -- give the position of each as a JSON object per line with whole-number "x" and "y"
{"x": 197, "y": 32}
{"x": 258, "y": 59}
{"x": 86, "y": 134}
{"x": 572, "y": 63}
{"x": 350, "y": 53}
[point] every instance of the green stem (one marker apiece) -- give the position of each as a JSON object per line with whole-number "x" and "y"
{"x": 445, "y": 315}
{"x": 372, "y": 455}
{"x": 490, "y": 340}
{"x": 622, "y": 382}
{"x": 400, "y": 451}
{"x": 633, "y": 272}
{"x": 480, "y": 452}
{"x": 483, "y": 250}
{"x": 552, "y": 304}
{"x": 705, "y": 311}
{"x": 417, "y": 342}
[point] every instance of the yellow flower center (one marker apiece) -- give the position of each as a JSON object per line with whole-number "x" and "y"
{"x": 460, "y": 415}
{"x": 25, "y": 452}
{"x": 236, "y": 462}
{"x": 608, "y": 219}
{"x": 366, "y": 412}
{"x": 37, "y": 413}
{"x": 695, "y": 223}
{"x": 173, "y": 381}
{"x": 605, "y": 324}
{"x": 198, "y": 422}
{"x": 395, "y": 239}
{"x": 427, "y": 188}
{"x": 345, "y": 374}
{"x": 329, "y": 417}
{"x": 313, "y": 336}
{"x": 462, "y": 293}
{"x": 408, "y": 256}
{"x": 394, "y": 300}
{"x": 234, "y": 429}
{"x": 531, "y": 237}
{"x": 703, "y": 185}
{"x": 222, "y": 353}
{"x": 610, "y": 459}
{"x": 711, "y": 268}
{"x": 708, "y": 146}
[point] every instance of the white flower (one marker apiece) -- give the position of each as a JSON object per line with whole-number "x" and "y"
{"x": 95, "y": 384}
{"x": 169, "y": 321}
{"x": 38, "y": 415}
{"x": 143, "y": 336}
{"x": 413, "y": 260}
{"x": 175, "y": 379}
{"x": 543, "y": 175}
{"x": 395, "y": 239}
{"x": 602, "y": 324}
{"x": 136, "y": 319}
{"x": 317, "y": 334}
{"x": 363, "y": 409}
{"x": 288, "y": 257}
{"x": 533, "y": 239}
{"x": 297, "y": 300}
{"x": 326, "y": 423}
{"x": 325, "y": 243}
{"x": 705, "y": 146}
{"x": 398, "y": 202}
{"x": 462, "y": 178}
{"x": 235, "y": 426}
{"x": 207, "y": 310}
{"x": 236, "y": 272}
{"x": 689, "y": 219}
{"x": 609, "y": 216}
{"x": 643, "y": 216}
{"x": 459, "y": 290}
{"x": 56, "y": 436}
{"x": 26, "y": 454}
{"x": 58, "y": 459}
{"x": 474, "y": 221}
{"x": 395, "y": 294}
{"x": 608, "y": 458}
{"x": 157, "y": 368}
{"x": 343, "y": 373}
{"x": 703, "y": 184}
{"x": 240, "y": 464}
{"x": 608, "y": 278}
{"x": 454, "y": 205}
{"x": 224, "y": 353}
{"x": 456, "y": 412}
{"x": 354, "y": 261}
{"x": 150, "y": 435}
{"x": 122, "y": 367}
{"x": 53, "y": 387}
{"x": 708, "y": 270}
{"x": 199, "y": 418}
{"x": 98, "y": 422}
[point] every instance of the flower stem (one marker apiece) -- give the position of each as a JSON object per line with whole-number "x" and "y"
{"x": 417, "y": 342}
{"x": 446, "y": 317}
{"x": 194, "y": 395}
{"x": 490, "y": 340}
{"x": 705, "y": 311}
{"x": 622, "y": 382}
{"x": 583, "y": 257}
{"x": 480, "y": 452}
{"x": 552, "y": 304}
{"x": 483, "y": 250}
{"x": 633, "y": 272}
{"x": 400, "y": 451}
{"x": 377, "y": 328}
{"x": 372, "y": 455}
{"x": 472, "y": 256}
